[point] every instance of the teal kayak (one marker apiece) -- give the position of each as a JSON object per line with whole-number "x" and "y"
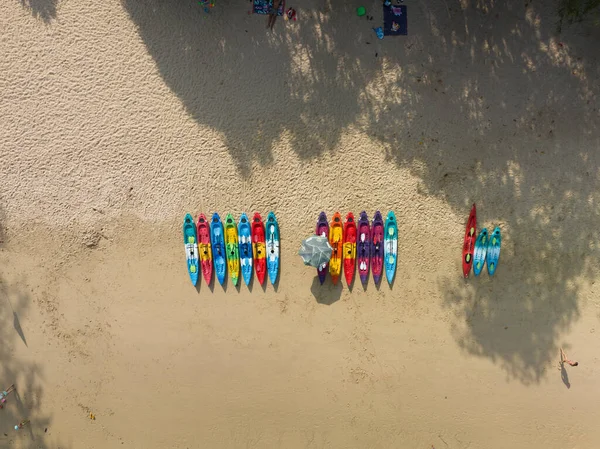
{"x": 493, "y": 251}
{"x": 390, "y": 246}
{"x": 481, "y": 245}
{"x": 272, "y": 247}
{"x": 190, "y": 240}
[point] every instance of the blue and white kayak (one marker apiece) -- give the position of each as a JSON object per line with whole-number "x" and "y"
{"x": 493, "y": 251}
{"x": 481, "y": 245}
{"x": 245, "y": 248}
{"x": 390, "y": 246}
{"x": 190, "y": 241}
{"x": 272, "y": 247}
{"x": 218, "y": 247}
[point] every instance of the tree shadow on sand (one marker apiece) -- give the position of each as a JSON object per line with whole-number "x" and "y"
{"x": 27, "y": 376}
{"x": 45, "y": 10}
{"x": 255, "y": 86}
{"x": 524, "y": 100}
{"x": 473, "y": 77}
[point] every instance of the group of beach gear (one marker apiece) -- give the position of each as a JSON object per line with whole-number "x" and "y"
{"x": 234, "y": 247}
{"x": 248, "y": 246}
{"x": 337, "y": 244}
{"x": 479, "y": 249}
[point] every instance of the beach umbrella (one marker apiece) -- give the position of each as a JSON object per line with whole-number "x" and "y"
{"x": 315, "y": 251}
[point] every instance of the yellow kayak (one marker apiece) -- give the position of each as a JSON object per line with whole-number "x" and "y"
{"x": 336, "y": 237}
{"x": 231, "y": 245}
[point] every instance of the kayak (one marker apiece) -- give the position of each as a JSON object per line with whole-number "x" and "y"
{"x": 272, "y": 247}
{"x": 258, "y": 247}
{"x": 349, "y": 247}
{"x": 232, "y": 249}
{"x": 377, "y": 246}
{"x": 493, "y": 251}
{"x": 363, "y": 247}
{"x": 481, "y": 245}
{"x": 390, "y": 249}
{"x": 469, "y": 243}
{"x": 191, "y": 247}
{"x": 336, "y": 240}
{"x": 245, "y": 246}
{"x": 204, "y": 247}
{"x": 218, "y": 247}
{"x": 322, "y": 229}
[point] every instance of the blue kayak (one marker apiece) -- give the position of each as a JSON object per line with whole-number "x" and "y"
{"x": 390, "y": 246}
{"x": 190, "y": 240}
{"x": 218, "y": 247}
{"x": 493, "y": 251}
{"x": 272, "y": 247}
{"x": 245, "y": 248}
{"x": 481, "y": 245}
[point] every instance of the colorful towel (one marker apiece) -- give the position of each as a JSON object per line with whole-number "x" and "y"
{"x": 395, "y": 22}
{"x": 266, "y": 6}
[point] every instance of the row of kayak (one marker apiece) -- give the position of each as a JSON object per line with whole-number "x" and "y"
{"x": 373, "y": 243}
{"x": 481, "y": 249}
{"x": 234, "y": 247}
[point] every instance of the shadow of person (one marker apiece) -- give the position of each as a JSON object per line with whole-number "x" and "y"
{"x": 17, "y": 326}
{"x": 564, "y": 376}
{"x": 327, "y": 293}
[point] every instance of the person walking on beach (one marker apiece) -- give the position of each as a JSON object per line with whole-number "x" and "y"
{"x": 4, "y": 394}
{"x": 22, "y": 424}
{"x": 8, "y": 391}
{"x": 273, "y": 14}
{"x": 564, "y": 359}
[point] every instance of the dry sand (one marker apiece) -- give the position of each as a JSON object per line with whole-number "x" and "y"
{"x": 117, "y": 117}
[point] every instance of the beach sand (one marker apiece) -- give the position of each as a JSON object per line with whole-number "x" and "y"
{"x": 119, "y": 117}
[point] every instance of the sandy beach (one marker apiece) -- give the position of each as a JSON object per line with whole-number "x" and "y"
{"x": 118, "y": 117}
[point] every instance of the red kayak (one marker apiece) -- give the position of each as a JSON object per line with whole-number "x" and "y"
{"x": 204, "y": 248}
{"x": 258, "y": 247}
{"x": 469, "y": 245}
{"x": 349, "y": 248}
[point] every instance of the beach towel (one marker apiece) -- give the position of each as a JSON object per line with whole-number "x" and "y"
{"x": 265, "y": 7}
{"x": 395, "y": 21}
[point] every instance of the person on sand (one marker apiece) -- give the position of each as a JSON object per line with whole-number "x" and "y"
{"x": 564, "y": 359}
{"x": 22, "y": 424}
{"x": 8, "y": 391}
{"x": 4, "y": 394}
{"x": 273, "y": 14}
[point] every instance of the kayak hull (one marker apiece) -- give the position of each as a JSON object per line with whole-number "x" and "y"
{"x": 377, "y": 247}
{"x": 190, "y": 241}
{"x": 259, "y": 247}
{"x": 390, "y": 253}
{"x": 218, "y": 247}
{"x": 480, "y": 252}
{"x": 493, "y": 251}
{"x": 469, "y": 242}
{"x": 349, "y": 248}
{"x": 336, "y": 240}
{"x": 232, "y": 249}
{"x": 363, "y": 247}
{"x": 322, "y": 229}
{"x": 245, "y": 248}
{"x": 205, "y": 248}
{"x": 272, "y": 228}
